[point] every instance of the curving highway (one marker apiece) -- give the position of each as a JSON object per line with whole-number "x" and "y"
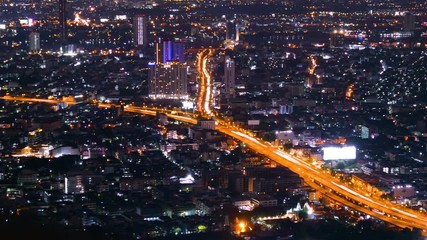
{"x": 333, "y": 188}
{"x": 319, "y": 180}
{"x": 323, "y": 182}
{"x": 205, "y": 83}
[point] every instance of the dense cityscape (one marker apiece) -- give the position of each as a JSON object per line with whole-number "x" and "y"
{"x": 240, "y": 119}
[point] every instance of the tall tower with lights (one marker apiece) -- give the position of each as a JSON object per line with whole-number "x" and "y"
{"x": 229, "y": 77}
{"x": 140, "y": 31}
{"x": 34, "y": 42}
{"x": 168, "y": 80}
{"x": 63, "y": 21}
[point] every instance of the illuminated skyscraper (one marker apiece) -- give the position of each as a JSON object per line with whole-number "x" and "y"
{"x": 34, "y": 40}
{"x": 230, "y": 30}
{"x": 167, "y": 51}
{"x": 178, "y": 52}
{"x": 237, "y": 32}
{"x": 229, "y": 77}
{"x": 140, "y": 31}
{"x": 63, "y": 20}
{"x": 168, "y": 81}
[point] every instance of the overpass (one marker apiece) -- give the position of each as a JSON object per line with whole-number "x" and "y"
{"x": 316, "y": 178}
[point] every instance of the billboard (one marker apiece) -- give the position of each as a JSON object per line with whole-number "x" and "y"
{"x": 187, "y": 105}
{"x": 339, "y": 153}
{"x": 26, "y": 22}
{"x": 121, "y": 17}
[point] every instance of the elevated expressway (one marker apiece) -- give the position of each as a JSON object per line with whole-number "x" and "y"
{"x": 205, "y": 82}
{"x": 319, "y": 180}
{"x": 323, "y": 182}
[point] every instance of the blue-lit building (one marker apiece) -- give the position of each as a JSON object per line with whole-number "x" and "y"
{"x": 167, "y": 51}
{"x": 173, "y": 51}
{"x": 178, "y": 52}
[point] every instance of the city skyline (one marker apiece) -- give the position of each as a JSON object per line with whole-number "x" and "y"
{"x": 213, "y": 120}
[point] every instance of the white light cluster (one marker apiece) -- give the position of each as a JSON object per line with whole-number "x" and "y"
{"x": 339, "y": 153}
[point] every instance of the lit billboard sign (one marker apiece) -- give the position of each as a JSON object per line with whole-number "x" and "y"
{"x": 339, "y": 153}
{"x": 121, "y": 17}
{"x": 27, "y": 22}
{"x": 187, "y": 105}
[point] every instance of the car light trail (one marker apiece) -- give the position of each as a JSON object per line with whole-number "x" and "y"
{"x": 322, "y": 182}
{"x": 249, "y": 138}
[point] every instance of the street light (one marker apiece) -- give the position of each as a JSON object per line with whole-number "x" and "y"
{"x": 241, "y": 227}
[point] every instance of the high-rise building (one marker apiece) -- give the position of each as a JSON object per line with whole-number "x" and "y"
{"x": 172, "y": 51}
{"x": 167, "y": 51}
{"x": 168, "y": 80}
{"x": 78, "y": 182}
{"x": 237, "y": 32}
{"x": 409, "y": 22}
{"x": 337, "y": 39}
{"x": 63, "y": 20}
{"x": 158, "y": 51}
{"x": 34, "y": 40}
{"x": 230, "y": 30}
{"x": 140, "y": 31}
{"x": 178, "y": 52}
{"x": 229, "y": 77}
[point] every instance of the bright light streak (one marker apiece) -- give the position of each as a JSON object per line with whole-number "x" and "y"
{"x": 406, "y": 213}
{"x": 208, "y": 86}
{"x": 205, "y": 84}
{"x": 352, "y": 192}
{"x": 313, "y": 65}
{"x": 249, "y": 138}
{"x": 287, "y": 157}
